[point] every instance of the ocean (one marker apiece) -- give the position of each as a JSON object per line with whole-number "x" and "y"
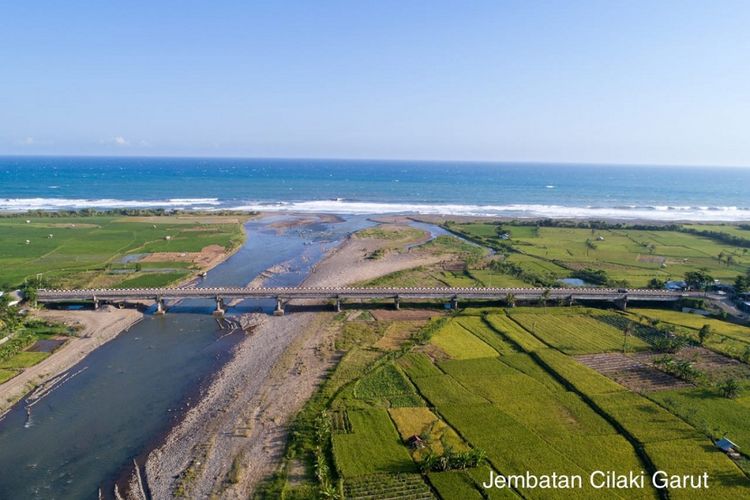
{"x": 377, "y": 187}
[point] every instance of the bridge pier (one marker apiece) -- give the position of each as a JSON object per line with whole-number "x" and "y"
{"x": 337, "y": 305}
{"x": 160, "y": 308}
{"x": 96, "y": 303}
{"x": 279, "y": 311}
{"x": 454, "y": 302}
{"x": 622, "y": 304}
{"x": 396, "y": 302}
{"x": 219, "y": 311}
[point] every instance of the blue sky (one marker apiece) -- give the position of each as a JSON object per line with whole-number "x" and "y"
{"x": 599, "y": 81}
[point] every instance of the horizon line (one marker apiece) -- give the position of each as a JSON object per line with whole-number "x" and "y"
{"x": 386, "y": 160}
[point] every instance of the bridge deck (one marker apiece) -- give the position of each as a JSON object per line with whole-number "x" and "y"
{"x": 289, "y": 293}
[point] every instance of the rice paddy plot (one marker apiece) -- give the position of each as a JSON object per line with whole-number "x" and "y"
{"x": 478, "y": 327}
{"x": 454, "y": 484}
{"x": 576, "y": 333}
{"x": 710, "y": 412}
{"x": 458, "y": 342}
{"x": 387, "y": 487}
{"x": 373, "y": 446}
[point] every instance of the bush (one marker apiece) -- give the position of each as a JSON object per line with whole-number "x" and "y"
{"x": 729, "y": 388}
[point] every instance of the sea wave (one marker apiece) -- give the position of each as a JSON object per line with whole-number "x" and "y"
{"x": 24, "y": 204}
{"x": 343, "y": 206}
{"x": 630, "y": 212}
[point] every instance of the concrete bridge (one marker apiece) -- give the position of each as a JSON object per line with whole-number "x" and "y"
{"x": 619, "y": 296}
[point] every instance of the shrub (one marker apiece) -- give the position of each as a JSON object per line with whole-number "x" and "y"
{"x": 729, "y": 388}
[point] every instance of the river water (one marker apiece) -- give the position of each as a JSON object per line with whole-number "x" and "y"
{"x": 128, "y": 393}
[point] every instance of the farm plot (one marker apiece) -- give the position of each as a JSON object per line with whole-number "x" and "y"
{"x": 707, "y": 410}
{"x": 475, "y": 325}
{"x": 373, "y": 446}
{"x": 455, "y": 484}
{"x": 727, "y": 338}
{"x": 386, "y": 386}
{"x": 459, "y": 343}
{"x": 387, "y": 486}
{"x": 576, "y": 333}
{"x": 631, "y": 373}
{"x": 514, "y": 333}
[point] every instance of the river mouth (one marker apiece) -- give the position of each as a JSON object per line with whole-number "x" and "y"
{"x": 120, "y": 402}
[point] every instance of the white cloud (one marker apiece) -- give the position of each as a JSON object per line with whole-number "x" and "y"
{"x": 120, "y": 141}
{"x": 28, "y": 141}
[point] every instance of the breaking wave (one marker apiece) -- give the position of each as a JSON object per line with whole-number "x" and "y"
{"x": 662, "y": 213}
{"x": 23, "y": 204}
{"x": 342, "y": 206}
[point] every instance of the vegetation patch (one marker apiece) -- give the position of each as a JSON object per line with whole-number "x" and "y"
{"x": 356, "y": 453}
{"x": 458, "y": 342}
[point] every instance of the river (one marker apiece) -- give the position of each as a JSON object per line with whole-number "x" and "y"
{"x": 128, "y": 393}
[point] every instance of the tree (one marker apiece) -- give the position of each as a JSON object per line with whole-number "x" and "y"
{"x": 704, "y": 333}
{"x": 655, "y": 283}
{"x": 510, "y": 299}
{"x": 741, "y": 284}
{"x": 698, "y": 280}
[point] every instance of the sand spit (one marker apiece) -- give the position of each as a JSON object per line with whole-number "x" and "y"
{"x": 244, "y": 415}
{"x": 97, "y": 328}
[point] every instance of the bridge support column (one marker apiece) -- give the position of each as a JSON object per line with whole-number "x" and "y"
{"x": 570, "y": 300}
{"x": 396, "y": 302}
{"x": 337, "y": 305}
{"x": 160, "y": 309}
{"x": 279, "y": 311}
{"x": 219, "y": 311}
{"x": 622, "y": 304}
{"x": 454, "y": 302}
{"x": 96, "y": 304}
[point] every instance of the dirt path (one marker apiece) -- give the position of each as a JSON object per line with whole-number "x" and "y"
{"x": 98, "y": 327}
{"x": 244, "y": 416}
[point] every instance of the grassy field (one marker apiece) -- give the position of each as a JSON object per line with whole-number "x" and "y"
{"x": 78, "y": 251}
{"x": 627, "y": 255}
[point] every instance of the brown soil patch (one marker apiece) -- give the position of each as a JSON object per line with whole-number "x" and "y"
{"x": 208, "y": 257}
{"x": 652, "y": 259}
{"x": 705, "y": 360}
{"x": 631, "y": 372}
{"x": 404, "y": 314}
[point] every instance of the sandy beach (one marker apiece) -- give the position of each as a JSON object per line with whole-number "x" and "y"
{"x": 96, "y": 328}
{"x": 243, "y": 416}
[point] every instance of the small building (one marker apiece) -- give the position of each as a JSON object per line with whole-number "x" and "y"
{"x": 728, "y": 447}
{"x": 675, "y": 285}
